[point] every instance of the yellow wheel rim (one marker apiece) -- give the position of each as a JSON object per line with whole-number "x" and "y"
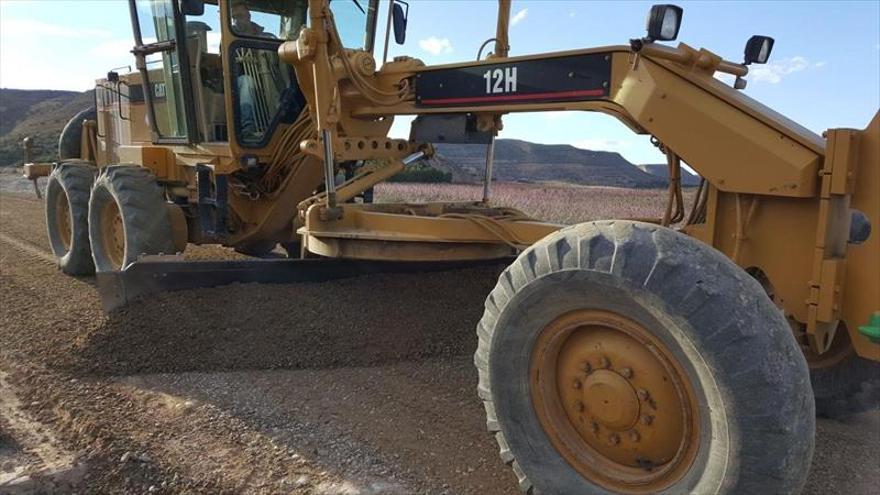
{"x": 63, "y": 220}
{"x": 113, "y": 234}
{"x": 614, "y": 401}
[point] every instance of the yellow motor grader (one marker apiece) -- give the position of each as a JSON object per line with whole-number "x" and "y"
{"x": 667, "y": 356}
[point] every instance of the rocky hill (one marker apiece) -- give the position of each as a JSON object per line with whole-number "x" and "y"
{"x": 522, "y": 161}
{"x": 662, "y": 170}
{"x": 40, "y": 114}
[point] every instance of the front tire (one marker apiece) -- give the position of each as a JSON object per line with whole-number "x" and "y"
{"x": 67, "y": 208}
{"x": 128, "y": 217}
{"x": 625, "y": 357}
{"x": 844, "y": 384}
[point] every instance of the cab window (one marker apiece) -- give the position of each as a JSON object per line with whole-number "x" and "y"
{"x": 203, "y": 49}
{"x": 283, "y": 19}
{"x": 164, "y": 78}
{"x": 265, "y": 90}
{"x": 351, "y": 22}
{"x": 276, "y": 19}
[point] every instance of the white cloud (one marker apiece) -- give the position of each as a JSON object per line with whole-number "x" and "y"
{"x": 773, "y": 72}
{"x": 27, "y": 69}
{"x": 92, "y": 37}
{"x": 113, "y": 48}
{"x": 435, "y": 45}
{"x": 518, "y": 17}
{"x": 601, "y": 144}
{"x": 27, "y": 27}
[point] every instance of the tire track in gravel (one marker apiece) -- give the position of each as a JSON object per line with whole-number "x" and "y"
{"x": 52, "y": 468}
{"x": 27, "y": 248}
{"x": 23, "y": 218}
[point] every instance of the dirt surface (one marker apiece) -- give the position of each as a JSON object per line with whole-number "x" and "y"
{"x": 355, "y": 386}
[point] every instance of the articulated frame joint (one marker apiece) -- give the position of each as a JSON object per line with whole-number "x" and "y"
{"x": 832, "y": 235}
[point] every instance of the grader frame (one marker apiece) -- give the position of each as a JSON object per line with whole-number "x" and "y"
{"x": 776, "y": 199}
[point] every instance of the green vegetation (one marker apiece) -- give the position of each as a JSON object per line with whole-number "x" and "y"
{"x": 420, "y": 172}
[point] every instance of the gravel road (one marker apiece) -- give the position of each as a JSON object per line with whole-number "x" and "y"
{"x": 354, "y": 386}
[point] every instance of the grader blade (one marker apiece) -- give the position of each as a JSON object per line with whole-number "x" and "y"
{"x": 143, "y": 278}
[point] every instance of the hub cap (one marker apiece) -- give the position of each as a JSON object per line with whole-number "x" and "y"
{"x": 614, "y": 402}
{"x": 113, "y": 234}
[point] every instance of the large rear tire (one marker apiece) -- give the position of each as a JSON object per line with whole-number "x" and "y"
{"x": 625, "y": 357}
{"x": 70, "y": 140}
{"x": 67, "y": 209}
{"x": 128, "y": 217}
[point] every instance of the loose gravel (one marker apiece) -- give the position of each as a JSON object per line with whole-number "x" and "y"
{"x": 354, "y": 386}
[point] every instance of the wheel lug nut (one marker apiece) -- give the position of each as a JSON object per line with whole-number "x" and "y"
{"x": 603, "y": 362}
{"x": 586, "y": 367}
{"x": 634, "y": 436}
{"x": 576, "y": 384}
{"x": 594, "y": 426}
{"x": 643, "y": 394}
{"x": 579, "y": 406}
{"x": 626, "y": 373}
{"x": 615, "y": 439}
{"x": 647, "y": 419}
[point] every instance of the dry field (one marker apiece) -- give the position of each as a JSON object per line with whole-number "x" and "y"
{"x": 560, "y": 203}
{"x": 360, "y": 386}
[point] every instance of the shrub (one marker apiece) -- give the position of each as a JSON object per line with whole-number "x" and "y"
{"x": 422, "y": 173}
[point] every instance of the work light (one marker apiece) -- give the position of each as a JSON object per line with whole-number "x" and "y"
{"x": 758, "y": 49}
{"x": 664, "y": 22}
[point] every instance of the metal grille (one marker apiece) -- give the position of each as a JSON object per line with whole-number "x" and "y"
{"x": 262, "y": 67}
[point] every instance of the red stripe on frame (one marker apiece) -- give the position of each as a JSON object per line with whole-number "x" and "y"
{"x": 535, "y": 96}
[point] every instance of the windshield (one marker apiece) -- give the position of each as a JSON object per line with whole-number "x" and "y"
{"x": 283, "y": 19}
{"x": 351, "y": 22}
{"x": 277, "y": 19}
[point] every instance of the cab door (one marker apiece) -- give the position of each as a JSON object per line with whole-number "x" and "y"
{"x": 162, "y": 61}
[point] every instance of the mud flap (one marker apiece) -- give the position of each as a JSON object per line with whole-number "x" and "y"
{"x": 156, "y": 274}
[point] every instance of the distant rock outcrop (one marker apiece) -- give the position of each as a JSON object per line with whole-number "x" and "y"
{"x": 662, "y": 170}
{"x": 522, "y": 161}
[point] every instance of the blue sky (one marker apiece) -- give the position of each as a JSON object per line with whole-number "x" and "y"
{"x": 824, "y": 71}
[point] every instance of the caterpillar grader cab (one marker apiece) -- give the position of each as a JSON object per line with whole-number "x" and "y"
{"x": 683, "y": 354}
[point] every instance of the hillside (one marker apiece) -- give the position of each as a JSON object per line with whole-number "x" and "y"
{"x": 522, "y": 161}
{"x": 662, "y": 170}
{"x": 40, "y": 114}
